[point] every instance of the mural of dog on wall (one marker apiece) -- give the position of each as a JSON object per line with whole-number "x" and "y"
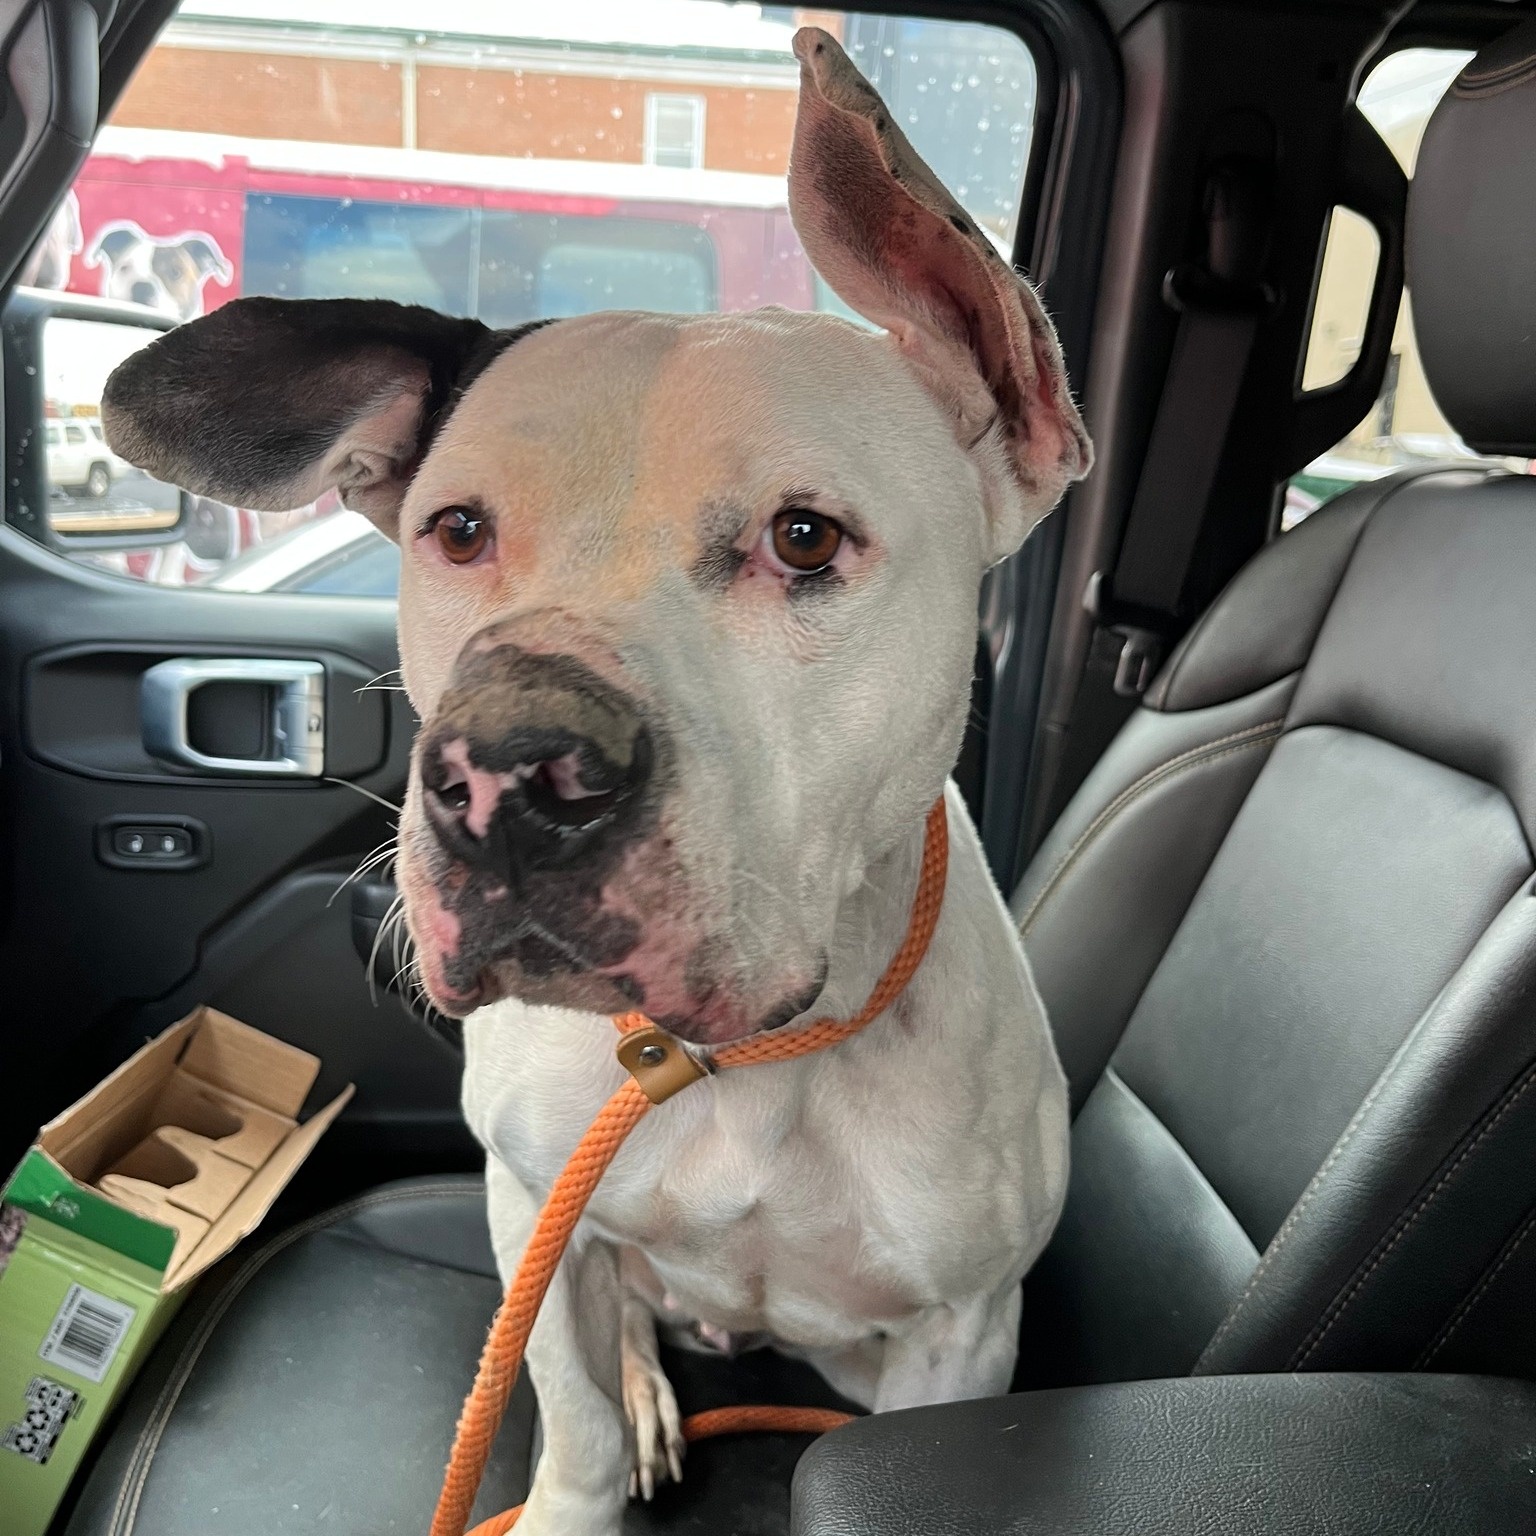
{"x": 166, "y": 273}
{"x": 48, "y": 265}
{"x": 162, "y": 272}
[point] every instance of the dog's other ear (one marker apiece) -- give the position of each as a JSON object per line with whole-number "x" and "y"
{"x": 207, "y": 258}
{"x": 266, "y": 403}
{"x": 892, "y": 243}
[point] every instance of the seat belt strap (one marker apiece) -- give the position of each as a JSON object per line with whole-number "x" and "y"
{"x": 1210, "y": 356}
{"x": 1221, "y": 305}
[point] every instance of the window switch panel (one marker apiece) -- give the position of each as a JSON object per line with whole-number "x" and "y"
{"x": 152, "y": 842}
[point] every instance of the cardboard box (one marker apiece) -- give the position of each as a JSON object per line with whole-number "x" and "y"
{"x": 120, "y": 1204}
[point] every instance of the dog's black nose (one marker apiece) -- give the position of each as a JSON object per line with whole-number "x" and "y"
{"x": 538, "y": 799}
{"x": 142, "y": 293}
{"x": 532, "y": 762}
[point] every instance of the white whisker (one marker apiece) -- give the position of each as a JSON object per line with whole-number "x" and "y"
{"x": 367, "y": 794}
{"x": 378, "y": 938}
{"x": 371, "y": 861}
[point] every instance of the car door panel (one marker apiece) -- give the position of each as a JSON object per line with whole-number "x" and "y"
{"x": 89, "y": 946}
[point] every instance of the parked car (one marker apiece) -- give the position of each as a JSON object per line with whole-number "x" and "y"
{"x": 79, "y": 459}
{"x": 340, "y": 554}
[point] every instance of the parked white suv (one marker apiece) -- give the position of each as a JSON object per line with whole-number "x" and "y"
{"x": 78, "y": 457}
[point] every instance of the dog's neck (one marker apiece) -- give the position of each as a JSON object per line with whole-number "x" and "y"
{"x": 871, "y": 923}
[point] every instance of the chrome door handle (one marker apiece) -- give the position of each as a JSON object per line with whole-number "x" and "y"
{"x": 298, "y": 713}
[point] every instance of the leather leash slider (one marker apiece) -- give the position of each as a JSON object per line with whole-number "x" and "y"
{"x": 659, "y": 1062}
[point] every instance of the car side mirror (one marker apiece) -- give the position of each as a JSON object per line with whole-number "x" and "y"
{"x": 65, "y": 486}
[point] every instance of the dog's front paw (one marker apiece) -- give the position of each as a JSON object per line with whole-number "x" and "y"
{"x": 651, "y": 1408}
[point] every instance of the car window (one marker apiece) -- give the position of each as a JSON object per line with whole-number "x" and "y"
{"x": 370, "y": 570}
{"x": 511, "y": 163}
{"x": 1405, "y": 426}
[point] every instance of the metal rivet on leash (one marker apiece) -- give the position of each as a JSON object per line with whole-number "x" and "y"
{"x": 660, "y": 1064}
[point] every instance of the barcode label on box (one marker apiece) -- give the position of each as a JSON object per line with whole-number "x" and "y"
{"x": 86, "y": 1333}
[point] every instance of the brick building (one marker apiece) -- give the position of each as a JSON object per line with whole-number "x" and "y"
{"x": 674, "y": 83}
{"x": 326, "y": 80}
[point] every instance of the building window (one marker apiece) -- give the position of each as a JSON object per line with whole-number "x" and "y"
{"x": 674, "y": 131}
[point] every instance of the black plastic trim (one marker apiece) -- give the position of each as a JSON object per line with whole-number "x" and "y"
{"x": 1065, "y": 232}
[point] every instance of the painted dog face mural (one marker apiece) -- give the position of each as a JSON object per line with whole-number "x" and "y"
{"x": 165, "y": 274}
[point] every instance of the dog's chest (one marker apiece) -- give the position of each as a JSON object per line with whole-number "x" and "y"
{"x": 753, "y": 1219}
{"x": 812, "y": 1200}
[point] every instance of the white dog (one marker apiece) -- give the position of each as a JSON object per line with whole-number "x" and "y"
{"x": 688, "y": 610}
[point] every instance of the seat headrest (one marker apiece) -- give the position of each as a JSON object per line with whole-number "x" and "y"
{"x": 1471, "y": 249}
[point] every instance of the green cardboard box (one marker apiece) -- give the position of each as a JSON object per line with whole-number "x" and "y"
{"x": 120, "y": 1204}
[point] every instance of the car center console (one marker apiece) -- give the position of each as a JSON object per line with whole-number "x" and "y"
{"x": 1294, "y": 1455}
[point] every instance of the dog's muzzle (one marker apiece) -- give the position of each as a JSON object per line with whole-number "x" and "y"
{"x": 546, "y": 871}
{"x": 538, "y": 779}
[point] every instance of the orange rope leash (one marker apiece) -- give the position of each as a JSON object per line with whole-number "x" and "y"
{"x": 502, "y": 1357}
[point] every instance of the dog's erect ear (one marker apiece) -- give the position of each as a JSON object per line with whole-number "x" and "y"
{"x": 266, "y": 403}
{"x": 207, "y": 258}
{"x": 892, "y": 243}
{"x": 111, "y": 245}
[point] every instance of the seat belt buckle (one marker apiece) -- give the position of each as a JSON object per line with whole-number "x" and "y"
{"x": 1141, "y": 647}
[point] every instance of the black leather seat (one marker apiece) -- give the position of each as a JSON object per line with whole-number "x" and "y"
{"x": 1286, "y": 931}
{"x": 1287, "y": 935}
{"x": 314, "y": 1384}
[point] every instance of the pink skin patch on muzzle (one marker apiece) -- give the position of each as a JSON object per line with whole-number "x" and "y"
{"x": 437, "y": 932}
{"x": 482, "y": 789}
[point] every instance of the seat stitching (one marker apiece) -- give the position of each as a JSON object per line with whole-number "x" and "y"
{"x": 1210, "y": 751}
{"x": 1288, "y": 1226}
{"x": 126, "y": 1506}
{"x": 1470, "y": 1302}
{"x": 1471, "y": 85}
{"x": 1404, "y": 1224}
{"x": 1476, "y": 76}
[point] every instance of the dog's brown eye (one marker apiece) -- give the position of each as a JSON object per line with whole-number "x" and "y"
{"x": 806, "y": 541}
{"x": 461, "y": 534}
